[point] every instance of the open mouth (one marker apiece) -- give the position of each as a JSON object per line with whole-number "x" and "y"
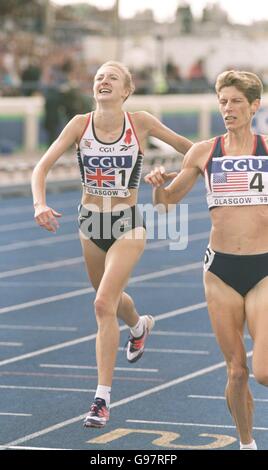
{"x": 105, "y": 91}
{"x": 229, "y": 118}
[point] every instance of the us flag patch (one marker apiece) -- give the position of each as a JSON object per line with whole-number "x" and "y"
{"x": 231, "y": 181}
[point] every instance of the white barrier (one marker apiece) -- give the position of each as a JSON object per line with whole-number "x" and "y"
{"x": 157, "y": 104}
{"x": 32, "y": 107}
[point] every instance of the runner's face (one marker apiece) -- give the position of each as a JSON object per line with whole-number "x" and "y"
{"x": 109, "y": 85}
{"x": 235, "y": 109}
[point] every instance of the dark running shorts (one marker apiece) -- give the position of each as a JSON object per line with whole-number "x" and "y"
{"x": 241, "y": 272}
{"x": 104, "y": 228}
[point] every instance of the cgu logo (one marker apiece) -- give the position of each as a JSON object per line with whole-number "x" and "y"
{"x": 245, "y": 164}
{"x": 106, "y": 149}
{"x": 108, "y": 162}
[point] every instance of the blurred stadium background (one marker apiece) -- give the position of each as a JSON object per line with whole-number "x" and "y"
{"x": 50, "y": 53}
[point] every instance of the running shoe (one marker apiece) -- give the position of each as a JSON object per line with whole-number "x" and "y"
{"x": 135, "y": 346}
{"x": 251, "y": 446}
{"x": 98, "y": 414}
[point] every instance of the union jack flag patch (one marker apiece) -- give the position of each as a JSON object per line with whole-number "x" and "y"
{"x": 99, "y": 178}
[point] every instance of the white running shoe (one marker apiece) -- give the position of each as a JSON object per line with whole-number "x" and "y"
{"x": 135, "y": 346}
{"x": 251, "y": 446}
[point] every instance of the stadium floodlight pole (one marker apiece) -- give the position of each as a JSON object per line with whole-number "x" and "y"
{"x": 160, "y": 74}
{"x": 49, "y": 17}
{"x": 117, "y": 30}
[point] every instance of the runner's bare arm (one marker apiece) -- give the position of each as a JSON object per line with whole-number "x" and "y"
{"x": 44, "y": 215}
{"x": 67, "y": 137}
{"x": 151, "y": 126}
{"x": 181, "y": 183}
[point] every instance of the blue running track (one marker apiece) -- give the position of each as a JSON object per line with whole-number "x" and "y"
{"x": 173, "y": 398}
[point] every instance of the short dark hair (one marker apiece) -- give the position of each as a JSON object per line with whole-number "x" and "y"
{"x": 246, "y": 82}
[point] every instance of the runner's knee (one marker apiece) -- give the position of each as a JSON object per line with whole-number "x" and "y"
{"x": 104, "y": 307}
{"x": 237, "y": 374}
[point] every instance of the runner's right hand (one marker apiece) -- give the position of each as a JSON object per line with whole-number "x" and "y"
{"x": 46, "y": 217}
{"x": 158, "y": 176}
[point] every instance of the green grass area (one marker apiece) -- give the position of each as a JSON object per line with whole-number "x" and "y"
{"x": 180, "y": 112}
{"x": 13, "y": 117}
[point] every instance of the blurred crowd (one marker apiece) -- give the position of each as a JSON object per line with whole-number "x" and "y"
{"x": 170, "y": 80}
{"x": 30, "y": 63}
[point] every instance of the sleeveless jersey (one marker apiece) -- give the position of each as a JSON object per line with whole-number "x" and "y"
{"x": 237, "y": 180}
{"x": 110, "y": 169}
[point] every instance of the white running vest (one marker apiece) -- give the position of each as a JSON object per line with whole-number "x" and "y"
{"x": 110, "y": 169}
{"x": 237, "y": 180}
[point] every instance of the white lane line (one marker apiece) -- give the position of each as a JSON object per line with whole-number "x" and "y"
{"x": 174, "y": 313}
{"x": 47, "y": 389}
{"x": 15, "y": 414}
{"x": 41, "y": 267}
{"x": 80, "y": 259}
{"x": 205, "y": 425}
{"x": 32, "y": 448}
{"x": 30, "y": 224}
{"x": 37, "y": 328}
{"x": 29, "y": 207}
{"x": 74, "y": 236}
{"x": 46, "y": 300}
{"x": 163, "y": 243}
{"x": 55, "y": 284}
{"x": 60, "y": 204}
{"x": 10, "y": 373}
{"x": 182, "y": 333}
{"x": 53, "y": 238}
{"x": 124, "y": 401}
{"x": 6, "y": 343}
{"x": 152, "y": 285}
{"x": 187, "y": 333}
{"x": 39, "y": 242}
{"x": 173, "y": 351}
{"x": 214, "y": 397}
{"x": 79, "y": 292}
{"x": 39, "y": 352}
{"x": 74, "y": 366}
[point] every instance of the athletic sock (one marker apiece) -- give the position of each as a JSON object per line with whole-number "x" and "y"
{"x": 251, "y": 446}
{"x": 138, "y": 329}
{"x": 104, "y": 392}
